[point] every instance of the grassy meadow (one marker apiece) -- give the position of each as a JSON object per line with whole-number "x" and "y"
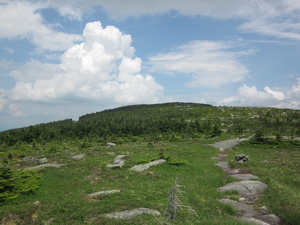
{"x": 178, "y": 132}
{"x": 61, "y": 196}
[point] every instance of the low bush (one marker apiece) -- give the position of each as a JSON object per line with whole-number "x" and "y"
{"x": 15, "y": 182}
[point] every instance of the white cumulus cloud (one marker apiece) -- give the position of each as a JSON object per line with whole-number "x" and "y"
{"x": 251, "y": 96}
{"x": 210, "y": 63}
{"x": 22, "y": 20}
{"x": 101, "y": 68}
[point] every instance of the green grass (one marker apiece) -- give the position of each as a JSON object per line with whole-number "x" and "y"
{"x": 278, "y": 166}
{"x": 61, "y": 197}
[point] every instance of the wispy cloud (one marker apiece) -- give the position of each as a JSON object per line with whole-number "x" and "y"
{"x": 209, "y": 63}
{"x": 278, "y": 18}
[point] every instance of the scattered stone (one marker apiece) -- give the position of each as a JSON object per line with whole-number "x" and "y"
{"x": 244, "y": 176}
{"x": 271, "y": 219}
{"x": 223, "y": 165}
{"x": 264, "y": 209}
{"x": 254, "y": 221}
{"x": 43, "y": 166}
{"x": 244, "y": 209}
{"x": 110, "y": 144}
{"x": 78, "y": 157}
{"x": 29, "y": 159}
{"x": 118, "y": 162}
{"x": 42, "y": 161}
{"x": 104, "y": 192}
{"x": 142, "y": 167}
{"x": 228, "y": 143}
{"x": 248, "y": 189}
{"x": 242, "y": 158}
{"x": 245, "y": 187}
{"x": 131, "y": 213}
{"x": 98, "y": 195}
{"x": 216, "y": 158}
{"x": 110, "y": 153}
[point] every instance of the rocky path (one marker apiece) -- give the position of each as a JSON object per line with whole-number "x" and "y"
{"x": 249, "y": 189}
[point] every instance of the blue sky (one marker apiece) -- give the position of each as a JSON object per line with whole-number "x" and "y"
{"x": 63, "y": 59}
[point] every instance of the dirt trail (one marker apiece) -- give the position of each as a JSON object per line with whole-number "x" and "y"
{"x": 249, "y": 190}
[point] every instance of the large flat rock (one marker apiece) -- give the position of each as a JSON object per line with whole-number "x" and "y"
{"x": 245, "y": 187}
{"x": 142, "y": 167}
{"x": 244, "y": 209}
{"x": 245, "y": 176}
{"x": 131, "y": 213}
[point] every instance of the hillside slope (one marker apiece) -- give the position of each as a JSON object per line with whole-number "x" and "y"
{"x": 188, "y": 119}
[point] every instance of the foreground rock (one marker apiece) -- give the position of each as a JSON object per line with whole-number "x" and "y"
{"x": 118, "y": 162}
{"x": 131, "y": 213}
{"x": 142, "y": 167}
{"x": 245, "y": 187}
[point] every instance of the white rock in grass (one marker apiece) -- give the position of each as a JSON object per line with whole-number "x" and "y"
{"x": 42, "y": 161}
{"x": 110, "y": 144}
{"x": 142, "y": 167}
{"x": 131, "y": 213}
{"x": 78, "y": 157}
{"x": 43, "y": 166}
{"x": 118, "y": 162}
{"x": 104, "y": 193}
{"x": 254, "y": 221}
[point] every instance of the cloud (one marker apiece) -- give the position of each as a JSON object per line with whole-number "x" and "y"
{"x": 210, "y": 63}
{"x": 102, "y": 68}
{"x": 15, "y": 109}
{"x": 278, "y": 18}
{"x": 9, "y": 50}
{"x": 250, "y": 96}
{"x": 3, "y": 100}
{"x": 22, "y": 20}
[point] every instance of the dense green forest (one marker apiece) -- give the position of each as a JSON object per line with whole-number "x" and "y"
{"x": 157, "y": 120}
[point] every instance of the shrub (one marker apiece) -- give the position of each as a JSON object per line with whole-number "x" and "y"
{"x": 15, "y": 182}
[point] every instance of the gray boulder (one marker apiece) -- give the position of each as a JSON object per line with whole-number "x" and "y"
{"x": 242, "y": 158}
{"x": 118, "y": 162}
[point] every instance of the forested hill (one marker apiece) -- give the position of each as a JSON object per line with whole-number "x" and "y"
{"x": 162, "y": 121}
